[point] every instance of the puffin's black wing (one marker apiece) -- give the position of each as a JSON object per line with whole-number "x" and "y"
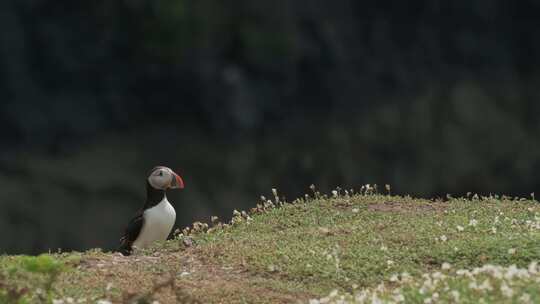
{"x": 132, "y": 232}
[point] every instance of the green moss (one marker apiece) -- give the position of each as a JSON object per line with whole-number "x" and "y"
{"x": 30, "y": 278}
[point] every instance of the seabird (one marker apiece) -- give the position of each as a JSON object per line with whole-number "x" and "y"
{"x": 156, "y": 219}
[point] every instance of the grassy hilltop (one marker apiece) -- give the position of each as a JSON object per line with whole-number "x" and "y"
{"x": 354, "y": 248}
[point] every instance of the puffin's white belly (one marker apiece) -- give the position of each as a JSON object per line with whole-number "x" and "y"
{"x": 158, "y": 222}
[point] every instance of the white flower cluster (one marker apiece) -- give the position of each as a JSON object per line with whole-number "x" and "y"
{"x": 69, "y": 300}
{"x": 449, "y": 285}
{"x": 533, "y": 224}
{"x": 333, "y": 256}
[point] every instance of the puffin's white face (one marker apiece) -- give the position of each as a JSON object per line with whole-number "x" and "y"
{"x": 163, "y": 178}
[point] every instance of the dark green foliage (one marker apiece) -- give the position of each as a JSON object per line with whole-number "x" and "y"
{"x": 435, "y": 97}
{"x": 22, "y": 276}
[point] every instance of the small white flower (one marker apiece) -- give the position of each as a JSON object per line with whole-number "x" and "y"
{"x": 506, "y": 291}
{"x": 355, "y": 210}
{"x": 512, "y": 251}
{"x": 485, "y": 285}
{"x": 533, "y": 267}
{"x": 399, "y": 298}
{"x": 389, "y": 263}
{"x": 384, "y": 248}
{"x": 473, "y": 222}
{"x": 493, "y": 230}
{"x": 525, "y": 298}
{"x": 460, "y": 228}
{"x": 394, "y": 278}
{"x": 405, "y": 277}
{"x": 446, "y": 266}
{"x": 443, "y": 238}
{"x": 455, "y": 294}
{"x": 334, "y": 193}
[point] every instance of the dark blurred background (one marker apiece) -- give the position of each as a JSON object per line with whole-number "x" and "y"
{"x": 432, "y": 97}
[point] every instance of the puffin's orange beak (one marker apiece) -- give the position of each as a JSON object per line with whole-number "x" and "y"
{"x": 177, "y": 182}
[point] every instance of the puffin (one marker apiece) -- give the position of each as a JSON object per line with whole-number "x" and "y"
{"x": 156, "y": 219}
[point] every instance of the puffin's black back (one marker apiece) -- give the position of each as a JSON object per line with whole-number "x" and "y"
{"x": 131, "y": 233}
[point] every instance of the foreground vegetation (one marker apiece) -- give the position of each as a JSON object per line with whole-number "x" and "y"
{"x": 346, "y": 248}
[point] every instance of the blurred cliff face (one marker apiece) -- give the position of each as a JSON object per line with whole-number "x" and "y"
{"x": 428, "y": 96}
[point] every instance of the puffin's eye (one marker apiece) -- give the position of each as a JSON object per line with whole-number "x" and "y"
{"x": 160, "y": 173}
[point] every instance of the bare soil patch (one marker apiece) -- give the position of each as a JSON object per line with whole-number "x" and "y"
{"x": 177, "y": 277}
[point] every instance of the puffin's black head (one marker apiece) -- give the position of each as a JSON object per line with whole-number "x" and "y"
{"x": 163, "y": 178}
